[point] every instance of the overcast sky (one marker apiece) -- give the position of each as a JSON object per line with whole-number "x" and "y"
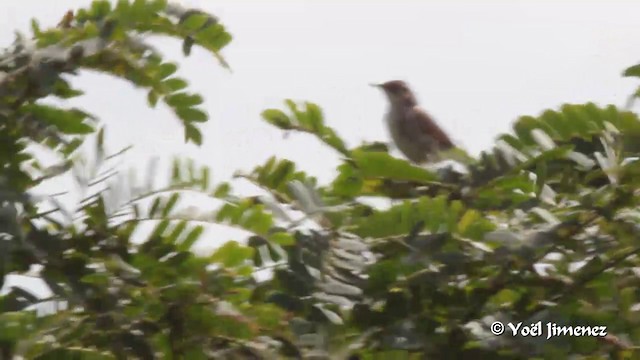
{"x": 476, "y": 66}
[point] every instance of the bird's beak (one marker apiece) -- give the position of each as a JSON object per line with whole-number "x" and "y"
{"x": 375, "y": 85}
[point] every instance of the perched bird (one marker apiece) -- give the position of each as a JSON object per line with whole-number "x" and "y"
{"x": 413, "y": 131}
{"x": 65, "y": 23}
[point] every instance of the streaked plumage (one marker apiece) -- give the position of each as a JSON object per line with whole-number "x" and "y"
{"x": 412, "y": 129}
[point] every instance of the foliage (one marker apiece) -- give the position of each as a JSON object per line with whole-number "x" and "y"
{"x": 543, "y": 227}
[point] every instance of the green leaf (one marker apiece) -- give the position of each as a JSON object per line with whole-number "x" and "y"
{"x": 277, "y": 118}
{"x": 175, "y": 84}
{"x": 98, "y": 279}
{"x": 183, "y": 100}
{"x": 16, "y": 325}
{"x": 382, "y": 274}
{"x": 173, "y": 199}
{"x": 195, "y": 21}
{"x": 314, "y": 115}
{"x": 523, "y": 127}
{"x": 167, "y": 69}
{"x": 349, "y": 182}
{"x": 222, "y": 190}
{"x": 378, "y": 164}
{"x": 155, "y": 205}
{"x": 35, "y": 27}
{"x": 204, "y": 178}
{"x": 632, "y": 71}
{"x": 232, "y": 254}
{"x": 159, "y": 229}
{"x": 152, "y": 98}
{"x": 467, "y": 219}
{"x": 69, "y": 121}
{"x": 222, "y": 38}
{"x": 63, "y": 90}
{"x": 192, "y": 114}
{"x": 100, "y": 9}
{"x": 176, "y": 231}
{"x": 191, "y": 238}
{"x": 282, "y": 239}
{"x": 192, "y": 133}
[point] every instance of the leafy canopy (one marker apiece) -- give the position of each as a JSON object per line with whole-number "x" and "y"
{"x": 544, "y": 226}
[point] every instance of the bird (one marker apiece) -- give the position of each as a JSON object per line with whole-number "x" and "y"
{"x": 65, "y": 22}
{"x": 414, "y": 132}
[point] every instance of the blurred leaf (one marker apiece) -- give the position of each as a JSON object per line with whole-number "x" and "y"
{"x": 68, "y": 121}
{"x": 232, "y": 254}
{"x": 378, "y": 164}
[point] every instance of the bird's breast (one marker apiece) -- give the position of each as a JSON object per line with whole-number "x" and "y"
{"x": 413, "y": 150}
{"x": 393, "y": 126}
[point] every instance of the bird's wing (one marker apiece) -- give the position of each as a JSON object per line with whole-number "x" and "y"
{"x": 428, "y": 126}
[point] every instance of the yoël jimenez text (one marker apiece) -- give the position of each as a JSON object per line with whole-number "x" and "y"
{"x": 551, "y": 329}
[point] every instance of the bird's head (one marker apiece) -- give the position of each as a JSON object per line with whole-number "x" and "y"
{"x": 398, "y": 92}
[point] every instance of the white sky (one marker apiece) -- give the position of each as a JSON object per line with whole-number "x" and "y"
{"x": 476, "y": 66}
